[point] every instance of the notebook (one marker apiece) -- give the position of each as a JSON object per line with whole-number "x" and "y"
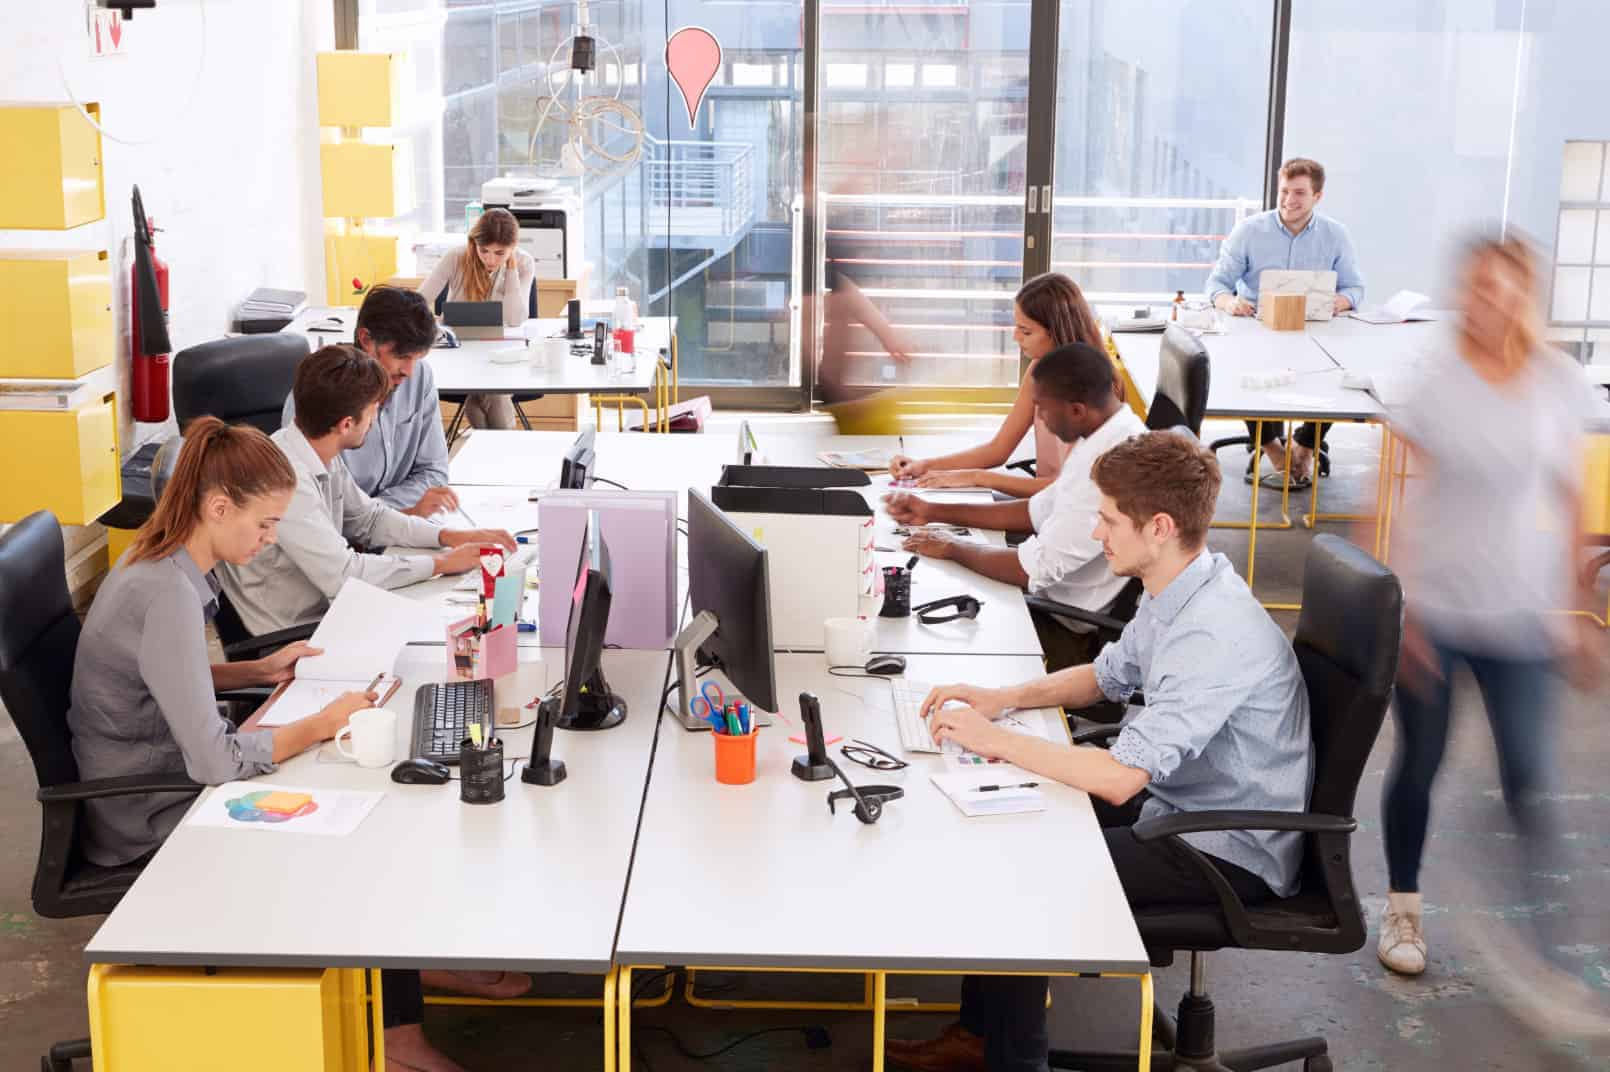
{"x": 360, "y": 635}
{"x": 1012, "y": 798}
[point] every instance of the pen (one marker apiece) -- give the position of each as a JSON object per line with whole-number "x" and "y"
{"x": 994, "y": 788}
{"x": 376, "y": 681}
{"x": 911, "y": 565}
{"x": 717, "y": 723}
{"x": 466, "y": 517}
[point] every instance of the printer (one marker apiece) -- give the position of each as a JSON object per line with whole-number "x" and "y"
{"x": 550, "y": 221}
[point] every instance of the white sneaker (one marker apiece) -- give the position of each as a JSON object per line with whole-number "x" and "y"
{"x": 1402, "y": 947}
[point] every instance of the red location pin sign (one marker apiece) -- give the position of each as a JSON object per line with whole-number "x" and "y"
{"x": 693, "y": 56}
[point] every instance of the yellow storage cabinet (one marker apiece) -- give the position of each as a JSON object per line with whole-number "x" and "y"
{"x": 244, "y": 1020}
{"x": 64, "y": 461}
{"x": 57, "y": 308}
{"x": 52, "y": 177}
{"x": 364, "y": 179}
{"x": 359, "y": 89}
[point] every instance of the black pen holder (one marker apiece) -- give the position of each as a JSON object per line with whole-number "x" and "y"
{"x": 480, "y": 772}
{"x": 896, "y": 592}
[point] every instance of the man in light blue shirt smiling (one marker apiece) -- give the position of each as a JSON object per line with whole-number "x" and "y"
{"x": 1291, "y": 236}
{"x": 1225, "y": 726}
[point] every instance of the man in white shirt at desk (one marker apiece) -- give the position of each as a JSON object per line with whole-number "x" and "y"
{"x": 403, "y": 462}
{"x": 1225, "y": 727}
{"x": 1076, "y": 397}
{"x": 292, "y": 581}
{"x": 1291, "y": 236}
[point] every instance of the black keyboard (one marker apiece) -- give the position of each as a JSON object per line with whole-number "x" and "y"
{"x": 443, "y": 713}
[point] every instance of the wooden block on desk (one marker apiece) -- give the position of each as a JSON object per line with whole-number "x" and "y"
{"x": 1283, "y": 312}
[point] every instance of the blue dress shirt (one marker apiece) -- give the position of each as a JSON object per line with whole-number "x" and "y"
{"x": 1225, "y": 724}
{"x": 1262, "y": 241}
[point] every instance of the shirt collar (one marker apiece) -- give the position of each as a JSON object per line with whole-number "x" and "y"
{"x": 1313, "y": 218}
{"x": 300, "y": 451}
{"x": 1180, "y": 590}
{"x": 205, "y": 584}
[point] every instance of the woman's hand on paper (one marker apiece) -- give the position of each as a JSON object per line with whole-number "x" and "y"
{"x": 281, "y": 666}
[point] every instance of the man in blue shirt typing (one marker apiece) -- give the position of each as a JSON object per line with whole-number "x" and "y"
{"x": 1291, "y": 236}
{"x": 1225, "y": 726}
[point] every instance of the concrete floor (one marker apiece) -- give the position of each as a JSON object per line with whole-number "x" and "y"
{"x": 1449, "y": 1018}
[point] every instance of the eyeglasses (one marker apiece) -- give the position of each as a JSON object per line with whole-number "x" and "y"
{"x": 966, "y": 607}
{"x": 870, "y": 755}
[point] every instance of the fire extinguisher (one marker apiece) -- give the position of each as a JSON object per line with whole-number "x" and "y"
{"x": 150, "y": 370}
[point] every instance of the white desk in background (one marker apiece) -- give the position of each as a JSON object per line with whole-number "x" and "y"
{"x": 761, "y": 877}
{"x": 1317, "y": 394}
{"x": 533, "y": 883}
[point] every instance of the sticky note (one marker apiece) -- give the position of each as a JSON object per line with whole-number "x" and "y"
{"x": 282, "y": 803}
{"x": 830, "y": 739}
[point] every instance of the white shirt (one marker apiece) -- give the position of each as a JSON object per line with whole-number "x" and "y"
{"x": 1063, "y": 560}
{"x": 294, "y": 579}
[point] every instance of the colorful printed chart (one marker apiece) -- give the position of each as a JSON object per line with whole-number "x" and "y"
{"x": 284, "y": 809}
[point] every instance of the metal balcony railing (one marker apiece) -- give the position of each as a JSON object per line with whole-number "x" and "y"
{"x": 699, "y": 188}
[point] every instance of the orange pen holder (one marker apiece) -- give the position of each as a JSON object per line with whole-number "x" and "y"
{"x": 735, "y": 757}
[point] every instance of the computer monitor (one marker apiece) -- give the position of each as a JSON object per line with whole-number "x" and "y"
{"x": 586, "y": 703}
{"x": 576, "y": 470}
{"x": 729, "y": 593}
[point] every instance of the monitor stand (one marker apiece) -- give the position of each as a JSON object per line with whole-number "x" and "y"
{"x": 686, "y": 650}
{"x": 598, "y": 709}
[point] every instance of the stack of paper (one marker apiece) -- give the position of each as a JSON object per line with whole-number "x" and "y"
{"x": 871, "y": 459}
{"x": 268, "y": 302}
{"x": 360, "y": 635}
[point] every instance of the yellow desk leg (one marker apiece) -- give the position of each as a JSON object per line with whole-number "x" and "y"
{"x": 1252, "y": 528}
{"x": 880, "y": 991}
{"x": 623, "y": 983}
{"x": 1145, "y": 1022}
{"x": 377, "y": 1017}
{"x": 610, "y": 997}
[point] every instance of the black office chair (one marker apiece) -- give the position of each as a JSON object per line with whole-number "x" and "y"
{"x": 38, "y": 643}
{"x": 458, "y": 398}
{"x": 239, "y": 380}
{"x": 1183, "y": 377}
{"x": 1347, "y": 647}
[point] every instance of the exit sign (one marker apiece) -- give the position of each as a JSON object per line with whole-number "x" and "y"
{"x": 105, "y": 33}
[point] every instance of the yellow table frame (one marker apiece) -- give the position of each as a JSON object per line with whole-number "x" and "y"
{"x": 877, "y": 1003}
{"x": 667, "y": 392}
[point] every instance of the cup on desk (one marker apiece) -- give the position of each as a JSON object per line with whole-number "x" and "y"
{"x": 548, "y": 353}
{"x": 735, "y": 757}
{"x": 373, "y": 733}
{"x": 848, "y": 641}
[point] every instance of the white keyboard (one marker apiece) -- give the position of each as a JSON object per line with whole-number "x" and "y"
{"x": 913, "y": 728}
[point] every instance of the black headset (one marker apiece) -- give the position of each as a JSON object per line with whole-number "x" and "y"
{"x": 966, "y": 607}
{"x": 869, "y": 799}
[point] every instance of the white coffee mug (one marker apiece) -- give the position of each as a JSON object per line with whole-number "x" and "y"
{"x": 373, "y": 732}
{"x": 849, "y": 641}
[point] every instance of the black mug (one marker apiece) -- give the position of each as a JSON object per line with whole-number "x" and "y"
{"x": 896, "y": 592}
{"x": 480, "y": 772}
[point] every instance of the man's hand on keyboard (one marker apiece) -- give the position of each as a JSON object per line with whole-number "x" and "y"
{"x": 968, "y": 728}
{"x": 987, "y": 702}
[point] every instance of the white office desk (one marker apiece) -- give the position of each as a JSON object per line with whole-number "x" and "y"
{"x": 761, "y": 876}
{"x": 531, "y": 884}
{"x": 470, "y": 367}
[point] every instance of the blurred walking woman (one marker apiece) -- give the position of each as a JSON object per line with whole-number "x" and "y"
{"x": 1495, "y": 437}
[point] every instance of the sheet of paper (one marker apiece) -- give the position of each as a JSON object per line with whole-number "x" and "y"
{"x": 303, "y": 697}
{"x": 489, "y": 507}
{"x": 326, "y": 813}
{"x": 870, "y": 458}
{"x": 361, "y": 633}
{"x": 962, "y": 787}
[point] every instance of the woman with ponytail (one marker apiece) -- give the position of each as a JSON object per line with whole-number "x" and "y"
{"x": 142, "y": 693}
{"x": 492, "y": 267}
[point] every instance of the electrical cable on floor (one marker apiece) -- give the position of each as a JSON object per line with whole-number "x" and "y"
{"x": 816, "y": 1038}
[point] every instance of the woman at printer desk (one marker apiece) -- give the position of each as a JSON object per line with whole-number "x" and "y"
{"x": 492, "y": 267}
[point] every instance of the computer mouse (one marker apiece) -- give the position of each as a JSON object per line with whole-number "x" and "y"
{"x": 886, "y": 664}
{"x": 420, "y": 771}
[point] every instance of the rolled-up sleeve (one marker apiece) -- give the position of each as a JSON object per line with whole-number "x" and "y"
{"x": 1118, "y": 672}
{"x": 173, "y": 664}
{"x": 1062, "y": 543}
{"x": 1349, "y": 280}
{"x": 1231, "y": 266}
{"x": 1191, "y": 695}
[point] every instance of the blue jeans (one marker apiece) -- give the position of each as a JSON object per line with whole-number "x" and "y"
{"x": 1519, "y": 697}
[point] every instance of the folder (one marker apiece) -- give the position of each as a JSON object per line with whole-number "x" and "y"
{"x": 792, "y": 476}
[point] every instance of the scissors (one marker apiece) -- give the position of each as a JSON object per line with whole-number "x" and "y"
{"x": 712, "y": 707}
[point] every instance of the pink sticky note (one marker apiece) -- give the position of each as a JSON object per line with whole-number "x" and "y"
{"x": 831, "y": 739}
{"x": 693, "y": 56}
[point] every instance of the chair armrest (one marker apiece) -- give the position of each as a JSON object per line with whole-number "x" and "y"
{"x": 258, "y": 646}
{"x": 1026, "y": 465}
{"x": 1197, "y": 822}
{"x": 101, "y": 788}
{"x": 1097, "y": 734}
{"x": 252, "y": 694}
{"x": 1076, "y": 614}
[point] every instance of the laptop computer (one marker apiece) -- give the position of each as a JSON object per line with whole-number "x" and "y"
{"x": 1318, "y": 287}
{"x": 474, "y": 319}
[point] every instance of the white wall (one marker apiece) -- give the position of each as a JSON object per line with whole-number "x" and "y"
{"x": 232, "y": 179}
